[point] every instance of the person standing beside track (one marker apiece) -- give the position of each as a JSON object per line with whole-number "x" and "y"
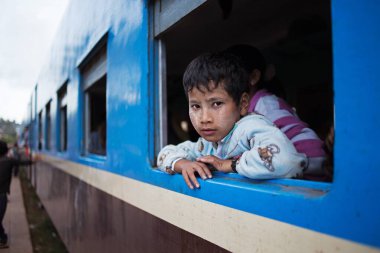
{"x": 6, "y": 165}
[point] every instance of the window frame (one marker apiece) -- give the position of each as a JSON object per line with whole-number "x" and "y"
{"x": 159, "y": 68}
{"x": 62, "y": 130}
{"x": 168, "y": 12}
{"x": 48, "y": 125}
{"x": 92, "y": 69}
{"x": 40, "y": 141}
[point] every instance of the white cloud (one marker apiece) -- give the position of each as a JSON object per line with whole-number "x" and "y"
{"x": 27, "y": 28}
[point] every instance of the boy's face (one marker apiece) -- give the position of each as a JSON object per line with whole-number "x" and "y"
{"x": 213, "y": 113}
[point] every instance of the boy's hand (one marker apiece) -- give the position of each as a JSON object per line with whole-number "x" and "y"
{"x": 188, "y": 169}
{"x": 217, "y": 163}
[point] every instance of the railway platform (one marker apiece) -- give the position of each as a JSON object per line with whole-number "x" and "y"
{"x": 15, "y": 222}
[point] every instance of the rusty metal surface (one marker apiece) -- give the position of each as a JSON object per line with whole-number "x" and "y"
{"x": 90, "y": 220}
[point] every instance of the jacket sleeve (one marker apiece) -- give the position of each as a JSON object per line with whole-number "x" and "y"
{"x": 171, "y": 153}
{"x": 270, "y": 153}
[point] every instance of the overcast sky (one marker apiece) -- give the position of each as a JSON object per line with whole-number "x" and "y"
{"x": 27, "y": 28}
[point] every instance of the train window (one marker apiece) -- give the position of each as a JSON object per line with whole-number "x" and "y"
{"x": 40, "y": 133}
{"x": 293, "y": 35}
{"x": 62, "y": 118}
{"x": 47, "y": 126}
{"x": 94, "y": 86}
{"x": 168, "y": 12}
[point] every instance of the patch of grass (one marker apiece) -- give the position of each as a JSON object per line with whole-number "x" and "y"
{"x": 45, "y": 238}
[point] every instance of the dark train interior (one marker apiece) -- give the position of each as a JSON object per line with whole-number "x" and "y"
{"x": 293, "y": 35}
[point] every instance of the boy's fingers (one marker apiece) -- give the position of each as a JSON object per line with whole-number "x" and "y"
{"x": 187, "y": 180}
{"x": 206, "y": 171}
{"x": 212, "y": 160}
{"x": 205, "y": 159}
{"x": 193, "y": 179}
{"x": 200, "y": 168}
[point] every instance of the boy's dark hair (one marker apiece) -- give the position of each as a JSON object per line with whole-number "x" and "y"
{"x": 221, "y": 68}
{"x": 3, "y": 148}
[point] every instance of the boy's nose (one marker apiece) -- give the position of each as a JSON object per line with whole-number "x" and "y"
{"x": 206, "y": 116}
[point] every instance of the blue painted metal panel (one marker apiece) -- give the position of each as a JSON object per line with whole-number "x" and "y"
{"x": 356, "y": 36}
{"x": 347, "y": 208}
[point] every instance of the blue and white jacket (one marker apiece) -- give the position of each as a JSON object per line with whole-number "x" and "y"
{"x": 263, "y": 151}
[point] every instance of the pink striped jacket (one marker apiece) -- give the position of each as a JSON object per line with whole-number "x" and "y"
{"x": 304, "y": 139}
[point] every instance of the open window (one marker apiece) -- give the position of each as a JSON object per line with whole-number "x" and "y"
{"x": 62, "y": 119}
{"x": 293, "y": 35}
{"x": 93, "y": 87}
{"x": 40, "y": 133}
{"x": 47, "y": 126}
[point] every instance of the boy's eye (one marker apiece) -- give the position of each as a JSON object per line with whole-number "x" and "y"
{"x": 217, "y": 104}
{"x": 194, "y": 107}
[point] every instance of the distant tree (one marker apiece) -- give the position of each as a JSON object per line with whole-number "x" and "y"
{"x": 8, "y": 131}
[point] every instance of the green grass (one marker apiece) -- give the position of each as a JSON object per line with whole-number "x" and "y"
{"x": 45, "y": 238}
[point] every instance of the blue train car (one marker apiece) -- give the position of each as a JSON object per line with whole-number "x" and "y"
{"x": 110, "y": 96}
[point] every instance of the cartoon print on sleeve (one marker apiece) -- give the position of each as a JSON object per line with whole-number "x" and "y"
{"x": 161, "y": 159}
{"x": 267, "y": 153}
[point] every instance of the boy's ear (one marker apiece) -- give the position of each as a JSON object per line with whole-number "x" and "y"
{"x": 244, "y": 104}
{"x": 254, "y": 77}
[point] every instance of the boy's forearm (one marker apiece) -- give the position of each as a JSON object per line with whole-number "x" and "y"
{"x": 168, "y": 157}
{"x": 271, "y": 154}
{"x": 285, "y": 164}
{"x": 171, "y": 153}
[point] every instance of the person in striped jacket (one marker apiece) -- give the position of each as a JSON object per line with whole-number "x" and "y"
{"x": 263, "y": 101}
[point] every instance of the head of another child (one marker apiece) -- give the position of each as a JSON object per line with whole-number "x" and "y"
{"x": 216, "y": 87}
{"x": 253, "y": 62}
{"x": 3, "y": 148}
{"x": 261, "y": 75}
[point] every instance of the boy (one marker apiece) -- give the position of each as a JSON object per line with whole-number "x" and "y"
{"x": 216, "y": 85}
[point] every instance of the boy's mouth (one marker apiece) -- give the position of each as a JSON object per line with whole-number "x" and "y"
{"x": 208, "y": 131}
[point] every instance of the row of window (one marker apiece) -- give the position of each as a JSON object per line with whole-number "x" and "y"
{"x": 93, "y": 72}
{"x": 298, "y": 44}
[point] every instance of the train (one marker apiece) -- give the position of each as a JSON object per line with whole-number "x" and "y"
{"x": 109, "y": 96}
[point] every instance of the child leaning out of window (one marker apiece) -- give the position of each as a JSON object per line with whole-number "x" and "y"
{"x": 216, "y": 88}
